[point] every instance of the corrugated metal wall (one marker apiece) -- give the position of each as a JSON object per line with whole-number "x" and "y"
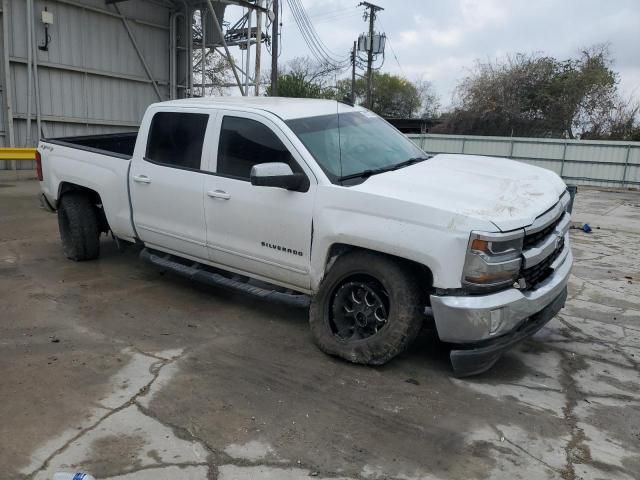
{"x": 92, "y": 79}
{"x": 579, "y": 162}
{"x": 3, "y": 90}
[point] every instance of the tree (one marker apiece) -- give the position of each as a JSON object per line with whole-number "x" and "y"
{"x": 430, "y": 106}
{"x": 394, "y": 96}
{"x": 620, "y": 122}
{"x": 218, "y": 75}
{"x": 304, "y": 78}
{"x": 584, "y": 89}
{"x": 536, "y": 95}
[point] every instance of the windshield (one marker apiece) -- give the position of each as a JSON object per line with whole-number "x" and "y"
{"x": 354, "y": 143}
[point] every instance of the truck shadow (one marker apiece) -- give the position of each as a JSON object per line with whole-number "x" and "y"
{"x": 427, "y": 352}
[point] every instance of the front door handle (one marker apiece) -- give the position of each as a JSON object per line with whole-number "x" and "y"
{"x": 141, "y": 179}
{"x": 219, "y": 194}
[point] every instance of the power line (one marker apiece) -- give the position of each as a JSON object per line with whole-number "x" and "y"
{"x": 393, "y": 51}
{"x": 304, "y": 32}
{"x": 306, "y": 25}
{"x": 334, "y": 12}
{"x": 316, "y": 46}
{"x": 311, "y": 28}
{"x": 331, "y": 18}
{"x": 316, "y": 51}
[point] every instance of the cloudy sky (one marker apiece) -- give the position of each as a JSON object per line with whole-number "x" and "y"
{"x": 439, "y": 40}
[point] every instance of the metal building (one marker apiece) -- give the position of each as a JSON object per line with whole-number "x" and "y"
{"x": 79, "y": 67}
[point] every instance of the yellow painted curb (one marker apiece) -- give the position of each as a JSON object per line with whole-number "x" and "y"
{"x": 17, "y": 153}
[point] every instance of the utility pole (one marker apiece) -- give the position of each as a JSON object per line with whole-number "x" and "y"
{"x": 274, "y": 49}
{"x": 258, "y": 48}
{"x": 203, "y": 54}
{"x": 372, "y": 18}
{"x": 248, "y": 66}
{"x": 353, "y": 73}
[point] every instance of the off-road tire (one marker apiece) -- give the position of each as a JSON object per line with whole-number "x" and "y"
{"x": 78, "y": 224}
{"x": 404, "y": 316}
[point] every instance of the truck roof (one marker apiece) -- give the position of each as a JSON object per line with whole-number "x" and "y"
{"x": 284, "y": 107}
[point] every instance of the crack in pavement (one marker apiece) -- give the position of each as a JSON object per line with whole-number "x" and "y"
{"x": 221, "y": 458}
{"x": 538, "y": 387}
{"x": 154, "y": 370}
{"x": 579, "y": 293}
{"x": 501, "y": 436}
{"x": 215, "y": 458}
{"x": 159, "y": 466}
{"x": 594, "y": 284}
{"x": 613, "y": 345}
{"x": 185, "y": 434}
{"x": 597, "y": 258}
{"x": 151, "y": 355}
{"x": 555, "y": 346}
{"x": 576, "y": 451}
{"x": 631, "y": 327}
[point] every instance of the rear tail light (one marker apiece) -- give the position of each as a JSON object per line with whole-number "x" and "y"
{"x": 39, "y": 166}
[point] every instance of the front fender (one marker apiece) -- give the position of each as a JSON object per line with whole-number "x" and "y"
{"x": 434, "y": 238}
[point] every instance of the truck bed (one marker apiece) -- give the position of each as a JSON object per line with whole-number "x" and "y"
{"x": 97, "y": 162}
{"x": 114, "y": 144}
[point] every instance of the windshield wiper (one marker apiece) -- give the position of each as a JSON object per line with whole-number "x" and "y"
{"x": 406, "y": 163}
{"x": 375, "y": 171}
{"x": 365, "y": 174}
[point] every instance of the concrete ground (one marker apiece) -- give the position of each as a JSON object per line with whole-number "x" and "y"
{"x": 111, "y": 367}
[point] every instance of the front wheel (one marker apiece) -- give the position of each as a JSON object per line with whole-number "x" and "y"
{"x": 367, "y": 309}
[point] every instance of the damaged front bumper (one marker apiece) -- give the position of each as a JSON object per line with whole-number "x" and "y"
{"x": 482, "y": 327}
{"x": 479, "y": 357}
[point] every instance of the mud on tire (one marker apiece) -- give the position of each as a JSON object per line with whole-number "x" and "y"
{"x": 78, "y": 224}
{"x": 366, "y": 288}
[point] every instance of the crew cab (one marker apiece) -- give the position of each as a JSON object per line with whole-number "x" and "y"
{"x": 327, "y": 200}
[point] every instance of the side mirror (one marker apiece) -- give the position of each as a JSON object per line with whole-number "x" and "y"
{"x": 278, "y": 175}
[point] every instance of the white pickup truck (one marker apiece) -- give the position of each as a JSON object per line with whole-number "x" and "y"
{"x": 324, "y": 199}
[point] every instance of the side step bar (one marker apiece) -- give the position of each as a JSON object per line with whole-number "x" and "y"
{"x": 201, "y": 273}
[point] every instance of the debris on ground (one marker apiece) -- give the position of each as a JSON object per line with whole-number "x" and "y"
{"x": 72, "y": 476}
{"x": 585, "y": 227}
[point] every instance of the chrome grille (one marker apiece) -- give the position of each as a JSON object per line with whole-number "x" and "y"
{"x": 540, "y": 272}
{"x": 543, "y": 244}
{"x": 533, "y": 239}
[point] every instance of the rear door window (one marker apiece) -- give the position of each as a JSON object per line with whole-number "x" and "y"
{"x": 176, "y": 139}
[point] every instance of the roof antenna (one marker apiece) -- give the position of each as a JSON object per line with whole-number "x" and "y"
{"x": 339, "y": 138}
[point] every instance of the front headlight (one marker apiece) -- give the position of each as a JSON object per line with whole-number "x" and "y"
{"x": 493, "y": 260}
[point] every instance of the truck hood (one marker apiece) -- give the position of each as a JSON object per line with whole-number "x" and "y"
{"x": 508, "y": 193}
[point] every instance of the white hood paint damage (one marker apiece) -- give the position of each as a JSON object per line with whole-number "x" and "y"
{"x": 508, "y": 193}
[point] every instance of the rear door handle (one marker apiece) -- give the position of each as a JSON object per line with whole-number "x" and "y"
{"x": 141, "y": 179}
{"x": 219, "y": 194}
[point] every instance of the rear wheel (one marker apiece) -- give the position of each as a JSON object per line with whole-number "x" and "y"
{"x": 368, "y": 309}
{"x": 78, "y": 224}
